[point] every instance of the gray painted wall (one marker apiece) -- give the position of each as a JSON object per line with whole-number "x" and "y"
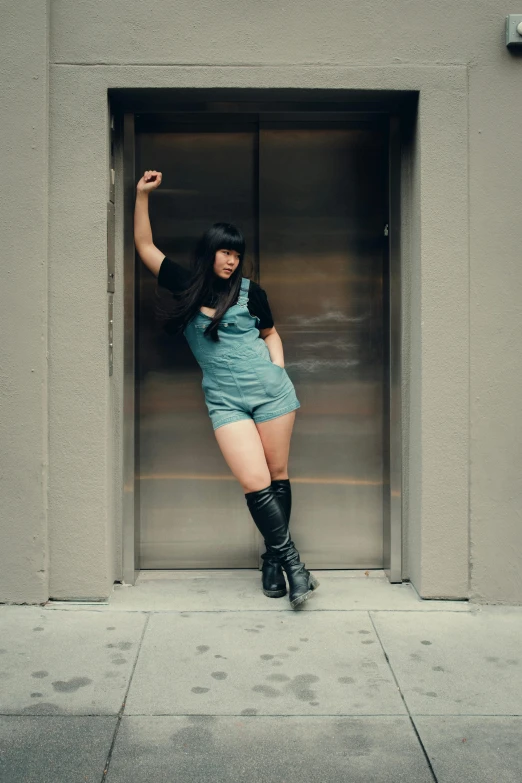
{"x": 463, "y": 532}
{"x": 24, "y": 566}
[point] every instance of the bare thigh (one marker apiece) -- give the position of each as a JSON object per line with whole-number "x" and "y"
{"x": 275, "y": 436}
{"x": 242, "y": 448}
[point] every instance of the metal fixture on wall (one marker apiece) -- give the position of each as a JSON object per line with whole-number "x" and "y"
{"x": 514, "y": 31}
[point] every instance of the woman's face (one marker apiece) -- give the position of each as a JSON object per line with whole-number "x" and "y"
{"x": 225, "y": 263}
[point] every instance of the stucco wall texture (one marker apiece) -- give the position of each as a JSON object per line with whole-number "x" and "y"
{"x": 462, "y": 285}
{"x": 24, "y": 565}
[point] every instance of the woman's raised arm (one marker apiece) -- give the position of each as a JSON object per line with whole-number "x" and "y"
{"x": 147, "y": 250}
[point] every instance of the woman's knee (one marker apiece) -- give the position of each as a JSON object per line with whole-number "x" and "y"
{"x": 261, "y": 479}
{"x": 252, "y": 482}
{"x": 278, "y": 471}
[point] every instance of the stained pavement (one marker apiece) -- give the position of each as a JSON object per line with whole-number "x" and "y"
{"x": 192, "y": 676}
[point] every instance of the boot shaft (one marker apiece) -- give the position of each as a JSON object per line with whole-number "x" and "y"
{"x": 284, "y": 493}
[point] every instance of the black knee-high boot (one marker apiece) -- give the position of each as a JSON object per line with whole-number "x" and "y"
{"x": 272, "y": 576}
{"x": 284, "y": 493}
{"x": 271, "y": 521}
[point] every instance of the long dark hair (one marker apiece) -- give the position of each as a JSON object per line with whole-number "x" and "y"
{"x": 176, "y": 313}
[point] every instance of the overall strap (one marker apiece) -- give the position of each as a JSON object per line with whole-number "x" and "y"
{"x": 243, "y": 293}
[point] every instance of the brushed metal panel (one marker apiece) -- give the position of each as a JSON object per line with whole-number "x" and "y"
{"x": 393, "y": 526}
{"x": 192, "y": 511}
{"x": 322, "y": 215}
{"x": 130, "y": 490}
{"x": 322, "y": 205}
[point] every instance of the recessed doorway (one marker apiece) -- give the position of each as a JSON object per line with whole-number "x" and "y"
{"x": 311, "y": 191}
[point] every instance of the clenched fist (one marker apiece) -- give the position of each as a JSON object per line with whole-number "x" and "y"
{"x": 150, "y": 181}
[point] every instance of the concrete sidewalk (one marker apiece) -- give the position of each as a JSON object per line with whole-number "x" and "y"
{"x": 197, "y": 676}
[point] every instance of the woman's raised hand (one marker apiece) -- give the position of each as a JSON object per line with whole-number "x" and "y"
{"x": 150, "y": 181}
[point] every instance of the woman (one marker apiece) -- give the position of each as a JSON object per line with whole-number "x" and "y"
{"x": 250, "y": 398}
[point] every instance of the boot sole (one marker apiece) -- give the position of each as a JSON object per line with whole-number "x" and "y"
{"x": 274, "y": 593}
{"x": 314, "y": 584}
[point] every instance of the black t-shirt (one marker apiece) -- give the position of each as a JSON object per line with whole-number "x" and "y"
{"x": 175, "y": 278}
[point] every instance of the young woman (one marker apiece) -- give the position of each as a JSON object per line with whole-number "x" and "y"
{"x": 249, "y": 395}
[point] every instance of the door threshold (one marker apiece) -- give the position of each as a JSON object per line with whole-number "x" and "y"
{"x": 149, "y": 575}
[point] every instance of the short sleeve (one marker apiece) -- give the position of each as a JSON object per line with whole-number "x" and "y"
{"x": 173, "y": 276}
{"x": 259, "y": 307}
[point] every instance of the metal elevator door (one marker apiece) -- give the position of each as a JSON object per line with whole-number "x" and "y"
{"x": 311, "y": 199}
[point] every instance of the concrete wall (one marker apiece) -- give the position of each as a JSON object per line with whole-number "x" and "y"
{"x": 24, "y": 560}
{"x": 495, "y": 89}
{"x": 462, "y": 283}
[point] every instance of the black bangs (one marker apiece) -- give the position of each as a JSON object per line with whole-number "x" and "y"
{"x": 204, "y": 282}
{"x": 226, "y": 236}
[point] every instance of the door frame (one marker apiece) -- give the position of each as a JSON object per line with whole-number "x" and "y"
{"x": 393, "y": 372}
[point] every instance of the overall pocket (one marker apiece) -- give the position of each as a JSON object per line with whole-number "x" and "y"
{"x": 272, "y": 377}
{"x": 225, "y": 323}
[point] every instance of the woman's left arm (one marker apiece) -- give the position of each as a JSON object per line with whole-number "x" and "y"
{"x": 260, "y": 308}
{"x": 275, "y": 345}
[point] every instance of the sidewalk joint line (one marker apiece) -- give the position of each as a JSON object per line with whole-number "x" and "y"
{"x": 122, "y": 708}
{"x": 412, "y": 723}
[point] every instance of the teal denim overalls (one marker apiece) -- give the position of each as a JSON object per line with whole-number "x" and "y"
{"x": 240, "y": 380}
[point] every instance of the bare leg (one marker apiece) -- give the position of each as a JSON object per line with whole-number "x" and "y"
{"x": 247, "y": 450}
{"x": 275, "y": 436}
{"x": 242, "y": 449}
